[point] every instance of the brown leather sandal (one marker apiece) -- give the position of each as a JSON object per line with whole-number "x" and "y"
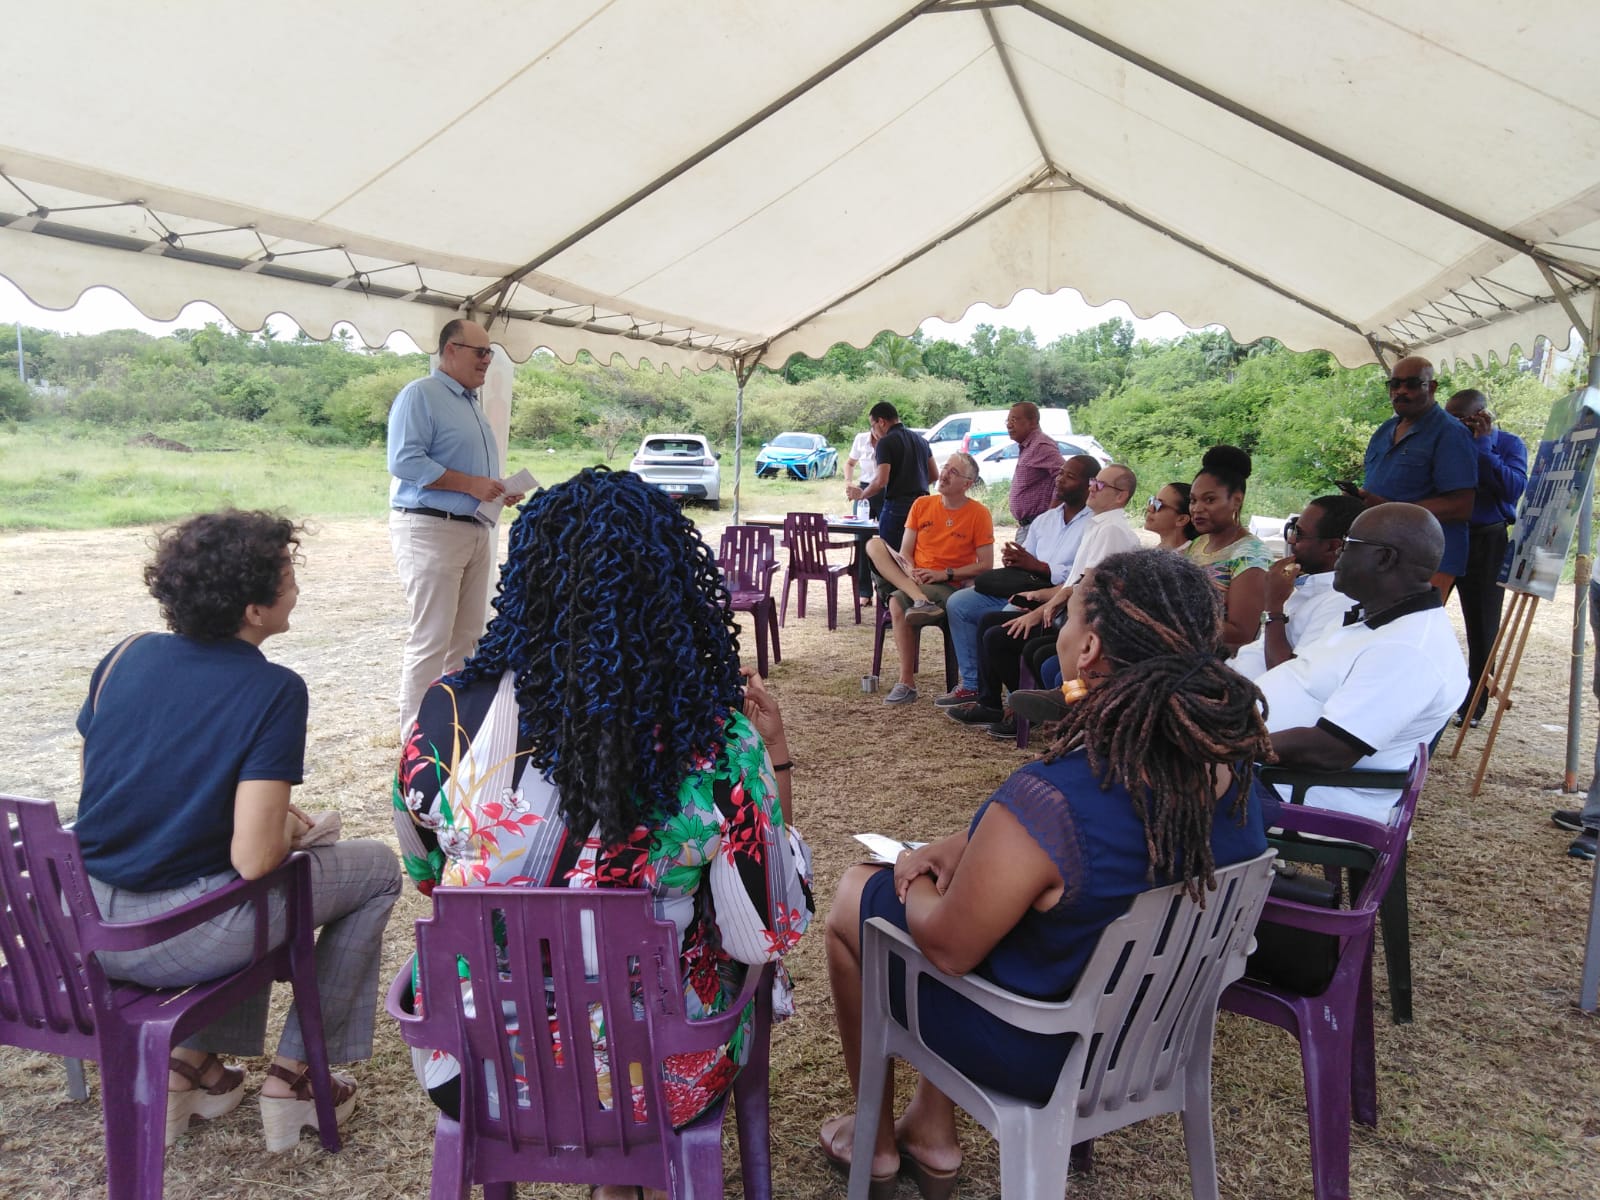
{"x": 202, "y": 1100}
{"x": 283, "y": 1117}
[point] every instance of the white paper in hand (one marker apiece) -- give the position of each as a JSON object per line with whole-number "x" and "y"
{"x": 886, "y": 849}
{"x": 519, "y": 484}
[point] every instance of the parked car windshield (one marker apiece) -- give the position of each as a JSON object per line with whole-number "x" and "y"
{"x": 684, "y": 447}
{"x": 794, "y": 441}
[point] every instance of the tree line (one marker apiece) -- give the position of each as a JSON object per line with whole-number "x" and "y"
{"x": 1156, "y": 404}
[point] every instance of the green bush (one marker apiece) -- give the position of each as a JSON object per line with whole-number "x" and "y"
{"x": 16, "y": 399}
{"x": 360, "y": 409}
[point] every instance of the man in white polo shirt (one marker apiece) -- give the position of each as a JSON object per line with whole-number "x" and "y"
{"x": 1302, "y": 603}
{"x": 1367, "y": 693}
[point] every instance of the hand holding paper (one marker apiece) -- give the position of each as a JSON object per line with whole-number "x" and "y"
{"x": 516, "y": 487}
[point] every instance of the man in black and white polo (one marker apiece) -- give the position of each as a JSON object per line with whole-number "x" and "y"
{"x": 1367, "y": 693}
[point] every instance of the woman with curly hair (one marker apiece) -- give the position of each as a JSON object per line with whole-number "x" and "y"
{"x": 1236, "y": 559}
{"x": 191, "y": 742}
{"x": 603, "y": 735}
{"x": 1146, "y": 783}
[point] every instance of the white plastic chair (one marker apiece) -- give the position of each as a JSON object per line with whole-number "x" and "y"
{"x": 1143, "y": 1012}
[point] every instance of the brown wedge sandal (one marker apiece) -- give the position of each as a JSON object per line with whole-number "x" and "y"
{"x": 283, "y": 1117}
{"x": 200, "y": 1100}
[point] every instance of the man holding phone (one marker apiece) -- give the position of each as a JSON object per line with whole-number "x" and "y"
{"x": 1502, "y": 475}
{"x": 1423, "y": 456}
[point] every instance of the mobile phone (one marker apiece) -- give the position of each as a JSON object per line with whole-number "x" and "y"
{"x": 1345, "y": 486}
{"x": 1024, "y": 602}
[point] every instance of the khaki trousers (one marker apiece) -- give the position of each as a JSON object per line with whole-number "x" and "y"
{"x": 444, "y": 570}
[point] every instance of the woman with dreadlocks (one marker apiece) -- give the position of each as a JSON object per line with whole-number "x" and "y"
{"x": 603, "y": 736}
{"x": 1145, "y": 783}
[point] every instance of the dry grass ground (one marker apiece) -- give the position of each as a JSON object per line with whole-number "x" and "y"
{"x": 1492, "y": 1091}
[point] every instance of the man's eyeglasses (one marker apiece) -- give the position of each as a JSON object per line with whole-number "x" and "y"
{"x": 1400, "y": 383}
{"x": 1098, "y": 484}
{"x": 1291, "y": 529}
{"x": 1354, "y": 541}
{"x": 479, "y": 352}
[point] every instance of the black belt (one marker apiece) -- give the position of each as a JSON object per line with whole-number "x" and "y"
{"x": 1485, "y": 528}
{"x": 438, "y": 512}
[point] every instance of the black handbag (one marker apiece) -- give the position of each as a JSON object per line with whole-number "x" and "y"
{"x": 1298, "y": 960}
{"x": 1006, "y": 582}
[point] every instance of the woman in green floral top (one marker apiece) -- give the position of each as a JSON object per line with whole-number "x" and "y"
{"x": 1236, "y": 560}
{"x": 604, "y": 736}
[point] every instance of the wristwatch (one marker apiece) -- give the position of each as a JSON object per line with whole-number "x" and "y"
{"x": 1268, "y": 618}
{"x": 949, "y": 574}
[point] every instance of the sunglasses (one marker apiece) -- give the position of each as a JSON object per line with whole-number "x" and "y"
{"x": 479, "y": 352}
{"x": 1400, "y": 383}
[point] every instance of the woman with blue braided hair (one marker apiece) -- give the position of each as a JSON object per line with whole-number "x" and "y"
{"x": 603, "y": 735}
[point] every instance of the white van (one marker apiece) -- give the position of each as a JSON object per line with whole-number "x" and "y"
{"x": 984, "y": 428}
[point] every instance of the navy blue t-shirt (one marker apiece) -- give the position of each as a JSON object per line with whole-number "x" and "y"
{"x": 1437, "y": 456}
{"x": 179, "y": 723}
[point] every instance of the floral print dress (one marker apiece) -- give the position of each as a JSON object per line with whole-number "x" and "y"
{"x": 725, "y": 869}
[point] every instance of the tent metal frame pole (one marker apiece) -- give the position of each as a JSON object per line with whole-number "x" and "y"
{"x": 1010, "y": 69}
{"x": 744, "y": 366}
{"x": 1589, "y": 988}
{"x": 1564, "y": 298}
{"x": 501, "y": 288}
{"x": 1327, "y": 153}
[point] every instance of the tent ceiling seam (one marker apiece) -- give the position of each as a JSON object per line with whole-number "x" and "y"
{"x": 1221, "y": 260}
{"x": 1017, "y": 93}
{"x": 1295, "y": 137}
{"x": 705, "y": 152}
{"x": 931, "y": 244}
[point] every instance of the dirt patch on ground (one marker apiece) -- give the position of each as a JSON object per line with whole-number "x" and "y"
{"x": 1492, "y": 1091}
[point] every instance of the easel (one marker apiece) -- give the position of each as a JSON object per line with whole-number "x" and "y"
{"x": 1498, "y": 677}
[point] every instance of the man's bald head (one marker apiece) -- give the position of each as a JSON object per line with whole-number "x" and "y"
{"x": 1391, "y": 552}
{"x": 1411, "y": 387}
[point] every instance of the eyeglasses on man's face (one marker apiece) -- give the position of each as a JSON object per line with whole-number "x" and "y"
{"x": 478, "y": 352}
{"x": 1403, "y": 383}
{"x": 1100, "y": 484}
{"x": 1349, "y": 541}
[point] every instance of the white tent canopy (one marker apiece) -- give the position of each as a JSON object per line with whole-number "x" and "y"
{"x": 735, "y": 181}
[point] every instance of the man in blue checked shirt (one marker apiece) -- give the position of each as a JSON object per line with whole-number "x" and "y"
{"x": 444, "y": 457}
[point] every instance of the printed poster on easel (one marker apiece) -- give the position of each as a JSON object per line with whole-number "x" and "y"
{"x": 1548, "y": 516}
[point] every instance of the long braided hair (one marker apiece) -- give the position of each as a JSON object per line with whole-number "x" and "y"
{"x": 1170, "y": 711}
{"x": 612, "y": 614}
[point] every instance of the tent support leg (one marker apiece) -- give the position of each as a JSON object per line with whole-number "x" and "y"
{"x": 743, "y": 367}
{"x": 1589, "y": 989}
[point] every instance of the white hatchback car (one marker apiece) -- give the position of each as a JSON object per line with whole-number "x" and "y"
{"x": 680, "y": 464}
{"x": 1000, "y": 463}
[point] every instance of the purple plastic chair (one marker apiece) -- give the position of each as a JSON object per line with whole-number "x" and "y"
{"x": 806, "y": 536}
{"x": 748, "y": 563}
{"x": 1335, "y": 1028}
{"x": 527, "y": 1115}
{"x": 55, "y": 998}
{"x": 952, "y": 669}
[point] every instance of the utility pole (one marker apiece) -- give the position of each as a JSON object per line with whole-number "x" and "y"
{"x": 21, "y": 374}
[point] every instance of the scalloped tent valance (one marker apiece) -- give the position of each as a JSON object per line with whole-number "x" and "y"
{"x": 726, "y": 182}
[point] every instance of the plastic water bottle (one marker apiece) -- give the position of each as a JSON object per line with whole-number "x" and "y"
{"x": 863, "y": 510}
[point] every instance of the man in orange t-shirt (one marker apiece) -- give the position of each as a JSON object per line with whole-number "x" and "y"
{"x": 949, "y": 540}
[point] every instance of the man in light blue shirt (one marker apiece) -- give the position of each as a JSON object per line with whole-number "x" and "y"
{"x": 443, "y": 453}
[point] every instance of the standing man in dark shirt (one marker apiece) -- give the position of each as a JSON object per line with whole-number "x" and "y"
{"x": 905, "y": 464}
{"x": 1422, "y": 456}
{"x": 1033, "y": 485}
{"x": 1502, "y": 474}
